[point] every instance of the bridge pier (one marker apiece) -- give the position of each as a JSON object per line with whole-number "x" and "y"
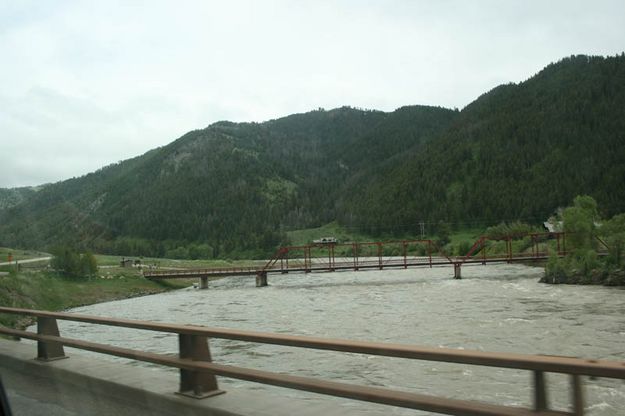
{"x": 203, "y": 282}
{"x": 261, "y": 279}
{"x": 457, "y": 271}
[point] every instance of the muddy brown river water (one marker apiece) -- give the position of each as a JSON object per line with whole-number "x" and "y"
{"x": 493, "y": 308}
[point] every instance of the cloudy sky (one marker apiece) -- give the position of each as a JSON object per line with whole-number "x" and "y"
{"x": 88, "y": 83}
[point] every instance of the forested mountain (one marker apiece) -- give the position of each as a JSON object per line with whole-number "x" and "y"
{"x": 229, "y": 189}
{"x": 14, "y": 196}
{"x": 517, "y": 152}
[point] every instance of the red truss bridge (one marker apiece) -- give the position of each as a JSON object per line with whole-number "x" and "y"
{"x": 332, "y": 257}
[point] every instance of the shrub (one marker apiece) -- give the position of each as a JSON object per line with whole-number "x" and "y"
{"x": 69, "y": 263}
{"x": 555, "y": 270}
{"x": 464, "y": 247}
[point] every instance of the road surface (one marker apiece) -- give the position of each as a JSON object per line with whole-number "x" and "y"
{"x": 6, "y": 263}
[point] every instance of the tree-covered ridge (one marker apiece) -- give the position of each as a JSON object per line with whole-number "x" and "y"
{"x": 14, "y": 196}
{"x": 229, "y": 189}
{"x": 233, "y": 189}
{"x": 518, "y": 152}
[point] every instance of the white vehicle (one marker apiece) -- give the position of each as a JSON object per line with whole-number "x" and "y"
{"x": 326, "y": 240}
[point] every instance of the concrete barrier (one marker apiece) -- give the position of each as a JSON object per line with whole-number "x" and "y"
{"x": 86, "y": 385}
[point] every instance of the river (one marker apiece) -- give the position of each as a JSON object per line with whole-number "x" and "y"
{"x": 493, "y": 308}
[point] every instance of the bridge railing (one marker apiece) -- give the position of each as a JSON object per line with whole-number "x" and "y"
{"x": 533, "y": 246}
{"x": 195, "y": 272}
{"x": 197, "y": 371}
{"x": 360, "y": 254}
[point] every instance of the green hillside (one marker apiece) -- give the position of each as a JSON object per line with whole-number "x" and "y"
{"x": 232, "y": 189}
{"x": 14, "y": 196}
{"x": 240, "y": 189}
{"x": 517, "y": 152}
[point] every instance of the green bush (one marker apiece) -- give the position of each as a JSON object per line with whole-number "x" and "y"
{"x": 70, "y": 263}
{"x": 504, "y": 230}
{"x": 588, "y": 262}
{"x": 443, "y": 233}
{"x": 464, "y": 247}
{"x": 557, "y": 270}
{"x": 177, "y": 253}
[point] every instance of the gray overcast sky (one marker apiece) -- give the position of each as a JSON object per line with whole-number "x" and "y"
{"x": 88, "y": 83}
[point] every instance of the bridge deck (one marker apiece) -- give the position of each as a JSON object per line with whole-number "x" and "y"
{"x": 339, "y": 266}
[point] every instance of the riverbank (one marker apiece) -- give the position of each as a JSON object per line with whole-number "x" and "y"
{"x": 593, "y": 277}
{"x": 49, "y": 291}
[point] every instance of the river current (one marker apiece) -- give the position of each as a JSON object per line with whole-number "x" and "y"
{"x": 493, "y": 308}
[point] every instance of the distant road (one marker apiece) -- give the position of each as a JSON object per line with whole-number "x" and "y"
{"x": 6, "y": 263}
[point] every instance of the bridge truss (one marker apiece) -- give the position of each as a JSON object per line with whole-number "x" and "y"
{"x": 356, "y": 256}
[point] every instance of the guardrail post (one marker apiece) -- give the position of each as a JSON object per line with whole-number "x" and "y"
{"x": 540, "y": 391}
{"x": 578, "y": 396}
{"x": 196, "y": 384}
{"x": 48, "y": 351}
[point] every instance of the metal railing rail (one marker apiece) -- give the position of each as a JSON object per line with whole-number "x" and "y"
{"x": 197, "y": 371}
{"x": 206, "y": 271}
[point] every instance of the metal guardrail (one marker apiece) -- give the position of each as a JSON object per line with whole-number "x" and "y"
{"x": 197, "y": 371}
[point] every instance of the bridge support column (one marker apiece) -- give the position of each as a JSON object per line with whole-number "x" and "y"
{"x": 457, "y": 271}
{"x": 203, "y": 282}
{"x": 261, "y": 279}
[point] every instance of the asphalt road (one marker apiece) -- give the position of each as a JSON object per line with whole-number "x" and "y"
{"x": 41, "y": 396}
{"x": 38, "y": 259}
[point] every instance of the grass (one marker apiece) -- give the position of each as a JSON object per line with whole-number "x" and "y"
{"x": 109, "y": 261}
{"x": 35, "y": 287}
{"x": 49, "y": 291}
{"x": 467, "y": 235}
{"x": 306, "y": 236}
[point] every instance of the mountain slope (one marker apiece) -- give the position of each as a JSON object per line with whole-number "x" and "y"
{"x": 229, "y": 189}
{"x": 519, "y": 151}
{"x": 232, "y": 189}
{"x": 15, "y": 196}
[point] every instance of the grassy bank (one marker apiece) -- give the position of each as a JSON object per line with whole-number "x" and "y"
{"x": 343, "y": 234}
{"x": 49, "y": 291}
{"x": 112, "y": 260}
{"x": 459, "y": 240}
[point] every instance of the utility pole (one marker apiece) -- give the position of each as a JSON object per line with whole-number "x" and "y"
{"x": 422, "y": 224}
